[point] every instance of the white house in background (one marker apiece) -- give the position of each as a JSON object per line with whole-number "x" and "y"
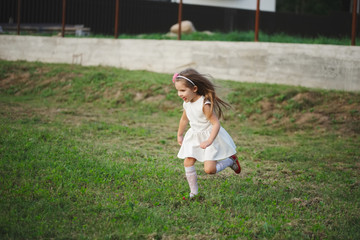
{"x": 265, "y": 5}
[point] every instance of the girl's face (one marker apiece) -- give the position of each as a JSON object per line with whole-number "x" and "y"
{"x": 186, "y": 93}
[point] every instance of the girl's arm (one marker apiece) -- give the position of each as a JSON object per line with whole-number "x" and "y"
{"x": 182, "y": 125}
{"x": 215, "y": 127}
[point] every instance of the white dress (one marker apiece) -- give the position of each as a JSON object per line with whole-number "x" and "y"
{"x": 200, "y": 129}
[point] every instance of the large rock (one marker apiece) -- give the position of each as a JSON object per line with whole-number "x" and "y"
{"x": 186, "y": 27}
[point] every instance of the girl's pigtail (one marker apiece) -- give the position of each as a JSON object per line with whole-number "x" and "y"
{"x": 220, "y": 103}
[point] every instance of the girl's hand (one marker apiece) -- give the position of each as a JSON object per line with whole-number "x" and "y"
{"x": 205, "y": 144}
{"x": 180, "y": 140}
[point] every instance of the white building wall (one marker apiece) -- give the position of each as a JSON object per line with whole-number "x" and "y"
{"x": 265, "y": 5}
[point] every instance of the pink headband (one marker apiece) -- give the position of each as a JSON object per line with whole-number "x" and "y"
{"x": 177, "y": 75}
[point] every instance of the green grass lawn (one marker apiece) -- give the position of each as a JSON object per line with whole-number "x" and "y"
{"x": 90, "y": 153}
{"x": 245, "y": 36}
{"x": 234, "y": 36}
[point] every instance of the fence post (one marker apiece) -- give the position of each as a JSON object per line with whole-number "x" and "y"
{"x": 353, "y": 31}
{"x": 63, "y": 19}
{"x": 179, "y": 20}
{"x": 116, "y": 33}
{"x": 257, "y": 16}
{"x": 18, "y": 17}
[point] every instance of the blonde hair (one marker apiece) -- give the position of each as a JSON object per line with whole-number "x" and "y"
{"x": 205, "y": 88}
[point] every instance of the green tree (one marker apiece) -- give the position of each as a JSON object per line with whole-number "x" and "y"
{"x": 318, "y": 7}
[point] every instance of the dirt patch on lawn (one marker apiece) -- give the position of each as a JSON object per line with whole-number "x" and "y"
{"x": 312, "y": 109}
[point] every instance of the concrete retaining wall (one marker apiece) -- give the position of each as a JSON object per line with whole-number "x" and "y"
{"x": 317, "y": 66}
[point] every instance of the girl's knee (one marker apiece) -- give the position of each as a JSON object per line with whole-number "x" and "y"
{"x": 210, "y": 169}
{"x": 188, "y": 162}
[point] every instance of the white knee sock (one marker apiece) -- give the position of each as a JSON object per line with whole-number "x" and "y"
{"x": 221, "y": 165}
{"x": 191, "y": 177}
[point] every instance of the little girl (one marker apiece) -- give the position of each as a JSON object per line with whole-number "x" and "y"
{"x": 206, "y": 141}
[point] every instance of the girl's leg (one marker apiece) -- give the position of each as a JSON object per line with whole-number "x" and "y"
{"x": 212, "y": 167}
{"x": 191, "y": 176}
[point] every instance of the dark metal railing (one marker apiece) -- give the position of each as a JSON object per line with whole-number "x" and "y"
{"x": 114, "y": 17}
